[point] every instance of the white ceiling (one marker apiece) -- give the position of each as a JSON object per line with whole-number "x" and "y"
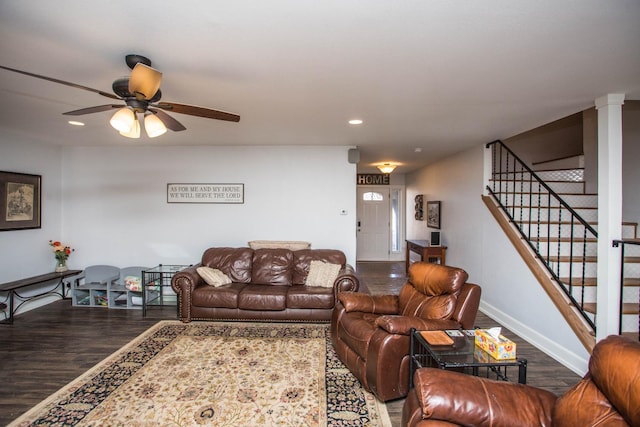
{"x": 440, "y": 75}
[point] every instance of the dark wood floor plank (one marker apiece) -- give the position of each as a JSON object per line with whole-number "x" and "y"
{"x": 49, "y": 347}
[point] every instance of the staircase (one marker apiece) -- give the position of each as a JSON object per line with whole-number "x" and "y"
{"x": 553, "y": 224}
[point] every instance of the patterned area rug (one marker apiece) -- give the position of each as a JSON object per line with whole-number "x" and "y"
{"x": 216, "y": 374}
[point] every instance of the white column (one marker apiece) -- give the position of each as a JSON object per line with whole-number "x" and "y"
{"x": 609, "y": 212}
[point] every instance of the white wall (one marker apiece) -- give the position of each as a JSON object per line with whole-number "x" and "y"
{"x": 110, "y": 203}
{"x": 27, "y": 252}
{"x": 116, "y": 210}
{"x": 510, "y": 293}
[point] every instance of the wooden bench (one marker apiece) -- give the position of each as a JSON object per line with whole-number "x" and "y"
{"x": 13, "y": 287}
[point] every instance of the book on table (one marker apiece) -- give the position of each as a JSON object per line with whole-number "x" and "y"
{"x": 436, "y": 337}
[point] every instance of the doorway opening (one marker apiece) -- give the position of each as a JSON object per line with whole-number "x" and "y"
{"x": 380, "y": 223}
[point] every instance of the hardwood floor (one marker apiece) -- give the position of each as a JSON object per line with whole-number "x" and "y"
{"x": 48, "y": 347}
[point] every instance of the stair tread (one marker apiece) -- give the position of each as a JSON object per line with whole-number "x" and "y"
{"x": 554, "y": 181}
{"x": 627, "y": 308}
{"x": 590, "y": 258}
{"x": 525, "y": 221}
{"x": 543, "y": 193}
{"x": 564, "y": 239}
{"x": 593, "y": 281}
{"x": 575, "y": 208}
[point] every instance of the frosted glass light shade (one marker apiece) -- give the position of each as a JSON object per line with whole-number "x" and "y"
{"x": 386, "y": 168}
{"x": 123, "y": 119}
{"x": 135, "y": 130}
{"x": 153, "y": 125}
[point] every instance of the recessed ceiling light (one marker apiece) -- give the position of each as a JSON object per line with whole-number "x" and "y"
{"x": 418, "y": 150}
{"x": 355, "y": 122}
{"x": 75, "y": 123}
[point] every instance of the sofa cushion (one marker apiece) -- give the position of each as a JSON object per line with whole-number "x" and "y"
{"x": 436, "y": 279}
{"x": 263, "y": 298}
{"x": 225, "y": 296}
{"x": 234, "y": 262}
{"x": 272, "y": 267}
{"x": 299, "y": 296}
{"x": 302, "y": 261}
{"x": 322, "y": 274}
{"x": 213, "y": 276}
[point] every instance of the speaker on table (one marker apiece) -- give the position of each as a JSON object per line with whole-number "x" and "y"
{"x": 435, "y": 238}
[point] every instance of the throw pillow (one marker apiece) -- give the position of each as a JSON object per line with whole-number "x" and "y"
{"x": 133, "y": 283}
{"x": 322, "y": 274}
{"x": 213, "y": 276}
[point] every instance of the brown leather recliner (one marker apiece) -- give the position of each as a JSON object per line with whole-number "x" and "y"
{"x": 607, "y": 396}
{"x": 371, "y": 333}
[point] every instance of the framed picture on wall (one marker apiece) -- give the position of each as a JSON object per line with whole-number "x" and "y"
{"x": 19, "y": 201}
{"x": 433, "y": 214}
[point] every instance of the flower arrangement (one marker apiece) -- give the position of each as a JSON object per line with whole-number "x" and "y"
{"x": 60, "y": 251}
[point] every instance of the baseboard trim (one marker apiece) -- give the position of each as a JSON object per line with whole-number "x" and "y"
{"x": 569, "y": 359}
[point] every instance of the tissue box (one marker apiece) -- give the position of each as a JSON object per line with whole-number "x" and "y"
{"x": 499, "y": 349}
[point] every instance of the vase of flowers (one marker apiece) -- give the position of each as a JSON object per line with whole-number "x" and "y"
{"x": 61, "y": 252}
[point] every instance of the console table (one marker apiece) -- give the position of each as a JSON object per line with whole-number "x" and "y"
{"x": 12, "y": 289}
{"x": 426, "y": 252}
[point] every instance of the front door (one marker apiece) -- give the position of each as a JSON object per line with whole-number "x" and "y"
{"x": 373, "y": 225}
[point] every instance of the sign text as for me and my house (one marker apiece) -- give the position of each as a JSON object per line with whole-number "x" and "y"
{"x": 205, "y": 193}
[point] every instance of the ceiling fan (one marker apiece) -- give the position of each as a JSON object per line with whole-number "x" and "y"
{"x": 141, "y": 94}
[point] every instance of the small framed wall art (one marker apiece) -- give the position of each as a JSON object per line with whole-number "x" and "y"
{"x": 433, "y": 214}
{"x": 19, "y": 201}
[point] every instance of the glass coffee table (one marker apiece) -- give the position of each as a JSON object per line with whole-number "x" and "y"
{"x": 463, "y": 355}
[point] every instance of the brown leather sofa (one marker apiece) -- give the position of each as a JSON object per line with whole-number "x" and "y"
{"x": 370, "y": 333}
{"x": 267, "y": 285}
{"x": 608, "y": 395}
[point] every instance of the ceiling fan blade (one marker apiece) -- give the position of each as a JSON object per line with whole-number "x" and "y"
{"x": 90, "y": 110}
{"x": 168, "y": 121}
{"x": 192, "y": 110}
{"x": 144, "y": 81}
{"x": 62, "y": 82}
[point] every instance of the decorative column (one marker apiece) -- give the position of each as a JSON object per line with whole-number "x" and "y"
{"x": 609, "y": 109}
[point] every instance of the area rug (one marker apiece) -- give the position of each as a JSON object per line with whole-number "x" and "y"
{"x": 216, "y": 374}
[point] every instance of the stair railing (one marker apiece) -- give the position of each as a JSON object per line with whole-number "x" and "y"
{"x": 540, "y": 215}
{"x": 622, "y": 243}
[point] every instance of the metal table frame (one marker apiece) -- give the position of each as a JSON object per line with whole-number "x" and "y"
{"x": 463, "y": 354}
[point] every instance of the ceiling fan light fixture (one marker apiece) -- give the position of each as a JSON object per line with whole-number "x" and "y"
{"x": 123, "y": 120}
{"x": 144, "y": 81}
{"x": 135, "y": 129}
{"x": 386, "y": 168}
{"x": 153, "y": 125}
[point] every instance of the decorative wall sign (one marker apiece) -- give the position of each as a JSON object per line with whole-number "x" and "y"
{"x": 205, "y": 193}
{"x": 372, "y": 179}
{"x": 19, "y": 201}
{"x": 433, "y": 214}
{"x": 419, "y": 207}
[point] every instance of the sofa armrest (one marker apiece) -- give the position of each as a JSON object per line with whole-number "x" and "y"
{"x": 402, "y": 325}
{"x": 367, "y": 303}
{"x": 186, "y": 280}
{"x": 347, "y": 281}
{"x": 467, "y": 400}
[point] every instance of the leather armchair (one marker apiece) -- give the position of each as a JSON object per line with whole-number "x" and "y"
{"x": 371, "y": 333}
{"x": 608, "y": 395}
